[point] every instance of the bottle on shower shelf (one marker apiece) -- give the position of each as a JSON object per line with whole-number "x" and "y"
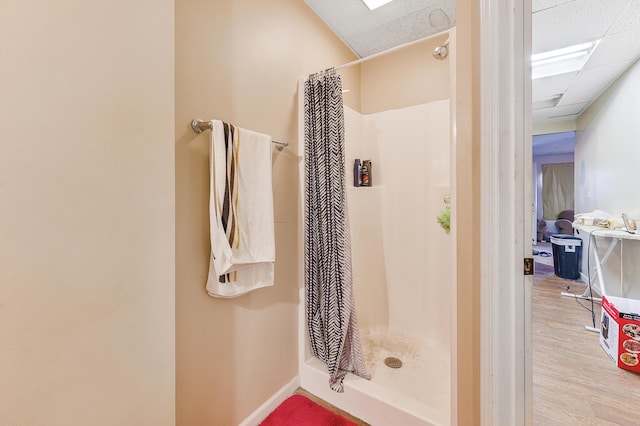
{"x": 365, "y": 173}
{"x": 357, "y": 173}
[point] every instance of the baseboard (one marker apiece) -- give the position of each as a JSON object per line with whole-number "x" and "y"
{"x": 272, "y": 403}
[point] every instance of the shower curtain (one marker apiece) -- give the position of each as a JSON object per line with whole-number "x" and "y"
{"x": 331, "y": 316}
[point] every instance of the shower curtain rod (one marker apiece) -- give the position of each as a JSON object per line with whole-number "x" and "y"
{"x": 393, "y": 49}
{"x": 200, "y": 126}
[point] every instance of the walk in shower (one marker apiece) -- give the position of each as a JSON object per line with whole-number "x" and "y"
{"x": 401, "y": 259}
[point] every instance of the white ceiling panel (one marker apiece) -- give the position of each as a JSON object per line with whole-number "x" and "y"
{"x": 554, "y": 85}
{"x": 592, "y": 82}
{"x": 540, "y": 115}
{"x": 620, "y": 47}
{"x": 367, "y": 32}
{"x": 397, "y": 31}
{"x": 383, "y": 37}
{"x": 568, "y": 110}
{"x": 539, "y": 5}
{"x": 629, "y": 18}
{"x": 616, "y": 23}
{"x": 573, "y": 23}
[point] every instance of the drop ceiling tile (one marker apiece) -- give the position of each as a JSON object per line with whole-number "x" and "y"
{"x": 371, "y": 31}
{"x": 567, "y": 111}
{"x": 554, "y": 85}
{"x": 572, "y": 23}
{"x": 629, "y": 18}
{"x": 340, "y": 16}
{"x": 539, "y": 5}
{"x": 368, "y": 42}
{"x": 592, "y": 82}
{"x": 620, "y": 47}
{"x": 540, "y": 115}
{"x": 404, "y": 29}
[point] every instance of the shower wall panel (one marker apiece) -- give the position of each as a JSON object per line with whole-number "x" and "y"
{"x": 401, "y": 256}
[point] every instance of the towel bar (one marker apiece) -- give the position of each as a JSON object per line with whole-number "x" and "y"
{"x": 200, "y": 126}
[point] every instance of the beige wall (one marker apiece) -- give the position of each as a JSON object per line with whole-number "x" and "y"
{"x": 406, "y": 77}
{"x": 547, "y": 127}
{"x": 240, "y": 62}
{"x": 86, "y": 291}
{"x": 86, "y": 213}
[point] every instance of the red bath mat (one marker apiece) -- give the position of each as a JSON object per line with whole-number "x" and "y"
{"x": 299, "y": 410}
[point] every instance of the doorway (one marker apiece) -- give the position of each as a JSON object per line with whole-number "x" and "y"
{"x": 507, "y": 375}
{"x": 566, "y": 359}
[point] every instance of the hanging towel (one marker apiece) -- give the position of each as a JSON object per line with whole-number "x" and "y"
{"x": 240, "y": 211}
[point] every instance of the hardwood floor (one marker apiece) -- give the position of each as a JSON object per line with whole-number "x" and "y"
{"x": 574, "y": 380}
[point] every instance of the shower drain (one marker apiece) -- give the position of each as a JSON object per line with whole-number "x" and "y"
{"x": 393, "y": 362}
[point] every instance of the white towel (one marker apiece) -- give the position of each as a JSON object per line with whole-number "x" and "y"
{"x": 240, "y": 211}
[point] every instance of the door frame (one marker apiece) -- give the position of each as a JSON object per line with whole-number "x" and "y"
{"x": 506, "y": 201}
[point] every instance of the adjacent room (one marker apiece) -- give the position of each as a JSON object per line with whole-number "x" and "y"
{"x": 585, "y": 133}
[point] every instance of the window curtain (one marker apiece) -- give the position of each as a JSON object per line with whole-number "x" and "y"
{"x": 557, "y": 189}
{"x": 331, "y": 314}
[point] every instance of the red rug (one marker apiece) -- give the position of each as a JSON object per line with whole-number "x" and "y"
{"x": 299, "y": 410}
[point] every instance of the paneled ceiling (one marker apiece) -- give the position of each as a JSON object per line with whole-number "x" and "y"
{"x": 371, "y": 31}
{"x": 561, "y": 23}
{"x": 555, "y": 24}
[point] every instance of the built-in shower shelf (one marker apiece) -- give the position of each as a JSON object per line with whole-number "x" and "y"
{"x": 367, "y": 187}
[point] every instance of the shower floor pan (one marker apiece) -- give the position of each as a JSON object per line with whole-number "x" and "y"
{"x": 416, "y": 394}
{"x": 423, "y": 375}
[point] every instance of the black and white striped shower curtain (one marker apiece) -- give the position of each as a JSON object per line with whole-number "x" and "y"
{"x": 331, "y": 315}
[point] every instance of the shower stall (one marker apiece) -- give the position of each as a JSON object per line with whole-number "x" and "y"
{"x": 401, "y": 263}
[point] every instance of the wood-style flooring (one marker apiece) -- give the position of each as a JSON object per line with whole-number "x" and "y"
{"x": 574, "y": 380}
